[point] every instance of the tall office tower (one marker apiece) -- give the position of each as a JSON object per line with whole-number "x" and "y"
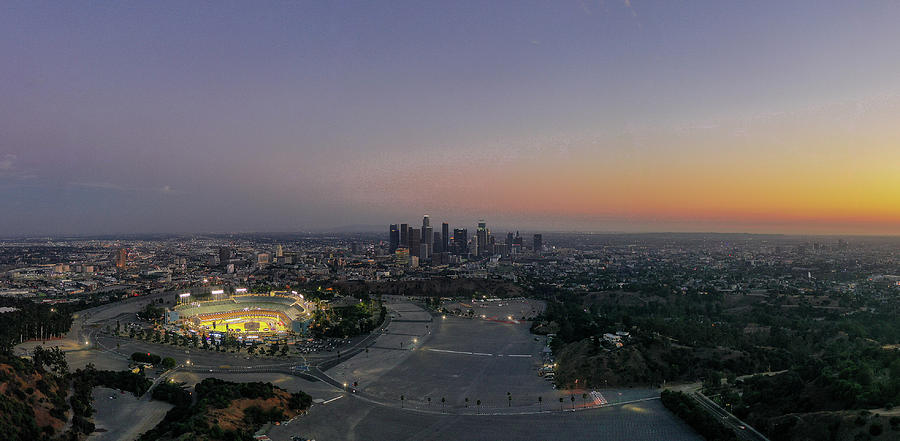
{"x": 224, "y": 255}
{"x": 426, "y": 222}
{"x": 481, "y": 237}
{"x": 509, "y": 240}
{"x": 475, "y": 249}
{"x": 415, "y": 241}
{"x": 404, "y": 235}
{"x": 394, "y": 238}
{"x": 424, "y": 251}
{"x": 445, "y": 235}
{"x": 461, "y": 241}
{"x": 121, "y": 258}
{"x": 538, "y": 242}
{"x": 279, "y": 251}
{"x": 428, "y": 236}
{"x": 438, "y": 245}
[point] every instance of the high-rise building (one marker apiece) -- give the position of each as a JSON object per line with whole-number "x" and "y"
{"x": 445, "y": 236}
{"x": 394, "y": 238}
{"x": 428, "y": 236}
{"x": 415, "y": 240}
{"x": 426, "y": 222}
{"x": 121, "y": 258}
{"x": 224, "y": 255}
{"x": 538, "y": 242}
{"x": 509, "y": 242}
{"x": 481, "y": 236}
{"x": 404, "y": 235}
{"x": 460, "y": 241}
{"x": 438, "y": 245}
{"x": 475, "y": 249}
{"x": 279, "y": 251}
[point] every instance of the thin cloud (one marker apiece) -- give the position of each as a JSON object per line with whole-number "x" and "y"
{"x": 101, "y": 186}
{"x": 9, "y": 168}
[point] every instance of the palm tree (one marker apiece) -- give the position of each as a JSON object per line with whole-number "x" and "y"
{"x": 560, "y": 403}
{"x": 541, "y": 402}
{"x": 429, "y": 401}
{"x": 573, "y": 402}
{"x": 401, "y": 401}
{"x": 477, "y": 405}
{"x": 467, "y": 402}
{"x": 443, "y": 400}
{"x": 508, "y": 400}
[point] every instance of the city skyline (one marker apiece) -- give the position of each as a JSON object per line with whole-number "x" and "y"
{"x": 630, "y": 116}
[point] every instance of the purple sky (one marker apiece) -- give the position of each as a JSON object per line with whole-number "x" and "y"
{"x": 122, "y": 117}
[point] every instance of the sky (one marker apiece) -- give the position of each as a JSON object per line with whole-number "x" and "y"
{"x": 182, "y": 117}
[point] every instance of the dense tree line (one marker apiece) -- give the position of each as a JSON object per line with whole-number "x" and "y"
{"x": 700, "y": 420}
{"x": 33, "y": 321}
{"x": 348, "y": 321}
{"x": 190, "y": 421}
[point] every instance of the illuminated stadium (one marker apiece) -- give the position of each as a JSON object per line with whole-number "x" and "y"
{"x": 261, "y": 314}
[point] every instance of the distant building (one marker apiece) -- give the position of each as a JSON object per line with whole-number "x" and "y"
{"x": 481, "y": 235}
{"x": 264, "y": 258}
{"x": 438, "y": 245}
{"x": 415, "y": 240}
{"x": 224, "y": 255}
{"x": 121, "y": 258}
{"x": 538, "y": 243}
{"x": 394, "y": 238}
{"x": 404, "y": 235}
{"x": 445, "y": 236}
{"x": 461, "y": 241}
{"x": 401, "y": 256}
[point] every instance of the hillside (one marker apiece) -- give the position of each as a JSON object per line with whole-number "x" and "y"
{"x": 32, "y": 404}
{"x": 224, "y": 410}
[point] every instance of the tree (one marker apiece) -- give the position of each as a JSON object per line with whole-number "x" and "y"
{"x": 573, "y": 402}
{"x": 443, "y": 400}
{"x": 168, "y": 362}
{"x": 560, "y": 403}
{"x": 467, "y": 402}
{"x": 477, "y": 405}
{"x": 584, "y": 400}
{"x": 54, "y": 359}
{"x": 541, "y": 402}
{"x": 401, "y": 401}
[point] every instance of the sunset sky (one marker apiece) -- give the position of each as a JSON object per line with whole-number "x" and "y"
{"x": 553, "y": 115}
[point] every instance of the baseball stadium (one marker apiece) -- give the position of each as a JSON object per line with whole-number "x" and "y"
{"x": 278, "y": 312}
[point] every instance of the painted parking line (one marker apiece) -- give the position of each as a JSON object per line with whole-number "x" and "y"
{"x": 333, "y": 399}
{"x": 447, "y": 351}
{"x": 520, "y": 355}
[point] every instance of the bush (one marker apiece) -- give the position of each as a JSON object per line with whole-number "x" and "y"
{"x": 875, "y": 429}
{"x": 168, "y": 362}
{"x": 146, "y": 357}
{"x": 172, "y": 393}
